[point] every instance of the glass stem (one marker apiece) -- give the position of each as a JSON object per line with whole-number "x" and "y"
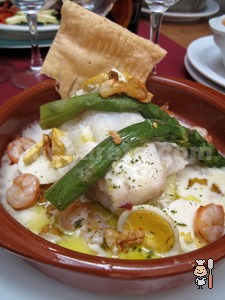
{"x": 36, "y": 59}
{"x": 155, "y": 24}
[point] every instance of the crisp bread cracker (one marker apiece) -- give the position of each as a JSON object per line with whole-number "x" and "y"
{"x": 87, "y": 44}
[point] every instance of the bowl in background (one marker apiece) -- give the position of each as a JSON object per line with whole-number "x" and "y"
{"x": 21, "y": 32}
{"x": 188, "y": 6}
{"x": 196, "y": 103}
{"x": 217, "y": 26}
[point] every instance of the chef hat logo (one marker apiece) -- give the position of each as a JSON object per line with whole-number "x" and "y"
{"x": 200, "y": 262}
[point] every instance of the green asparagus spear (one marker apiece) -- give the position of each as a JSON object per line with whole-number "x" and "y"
{"x": 200, "y": 149}
{"x": 54, "y": 114}
{"x": 153, "y": 111}
{"x": 99, "y": 160}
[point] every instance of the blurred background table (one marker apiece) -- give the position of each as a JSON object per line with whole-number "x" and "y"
{"x": 184, "y": 33}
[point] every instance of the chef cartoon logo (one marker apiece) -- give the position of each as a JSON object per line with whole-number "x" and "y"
{"x": 203, "y": 273}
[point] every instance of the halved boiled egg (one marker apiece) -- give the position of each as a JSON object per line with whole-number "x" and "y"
{"x": 182, "y": 212}
{"x": 43, "y": 170}
{"x": 161, "y": 234}
{"x": 50, "y": 158}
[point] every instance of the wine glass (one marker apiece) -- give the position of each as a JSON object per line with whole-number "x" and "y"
{"x": 100, "y": 7}
{"x": 157, "y": 9}
{"x": 30, "y": 76}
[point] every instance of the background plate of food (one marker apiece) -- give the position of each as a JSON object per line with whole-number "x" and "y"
{"x": 210, "y": 9}
{"x": 22, "y": 44}
{"x": 13, "y": 23}
{"x": 21, "y": 32}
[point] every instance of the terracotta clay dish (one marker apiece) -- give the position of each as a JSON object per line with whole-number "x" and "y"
{"x": 196, "y": 103}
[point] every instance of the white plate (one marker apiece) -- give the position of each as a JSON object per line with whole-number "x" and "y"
{"x": 205, "y": 56}
{"x": 16, "y": 44}
{"x": 211, "y": 9}
{"x": 21, "y": 32}
{"x": 20, "y": 281}
{"x": 200, "y": 78}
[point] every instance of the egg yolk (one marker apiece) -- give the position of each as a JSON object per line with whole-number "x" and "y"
{"x": 159, "y": 235}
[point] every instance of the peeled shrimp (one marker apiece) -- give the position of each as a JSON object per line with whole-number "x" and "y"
{"x": 209, "y": 222}
{"x": 74, "y": 216}
{"x": 79, "y": 215}
{"x": 17, "y": 147}
{"x": 24, "y": 191}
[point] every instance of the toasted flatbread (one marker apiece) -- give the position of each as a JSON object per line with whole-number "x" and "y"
{"x": 87, "y": 44}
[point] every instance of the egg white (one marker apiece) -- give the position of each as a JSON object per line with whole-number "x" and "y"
{"x": 201, "y": 193}
{"x": 182, "y": 212}
{"x": 122, "y": 219}
{"x": 43, "y": 170}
